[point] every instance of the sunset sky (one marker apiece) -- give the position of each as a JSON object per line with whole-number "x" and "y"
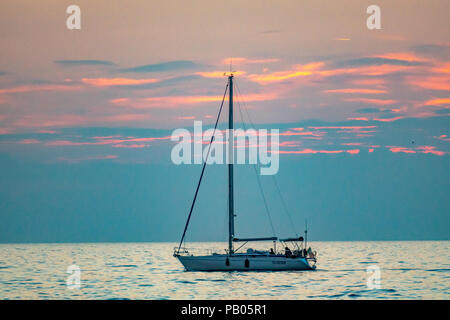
{"x": 91, "y": 104}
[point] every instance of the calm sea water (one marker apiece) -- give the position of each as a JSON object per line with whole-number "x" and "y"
{"x": 409, "y": 270}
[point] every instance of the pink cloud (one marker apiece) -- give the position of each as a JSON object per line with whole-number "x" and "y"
{"x": 388, "y": 119}
{"x": 430, "y": 149}
{"x": 47, "y": 131}
{"x": 437, "y": 102}
{"x": 401, "y": 149}
{"x": 29, "y": 141}
{"x": 31, "y": 88}
{"x": 377, "y": 82}
{"x": 297, "y": 71}
{"x": 218, "y": 74}
{"x": 107, "y": 82}
{"x": 312, "y": 151}
{"x": 186, "y": 118}
{"x": 69, "y": 120}
{"x": 318, "y": 70}
{"x": 112, "y": 140}
{"x": 441, "y": 83}
{"x": 404, "y": 56}
{"x": 302, "y": 133}
{"x": 359, "y": 119}
{"x": 177, "y": 101}
{"x": 443, "y": 137}
{"x": 351, "y": 144}
{"x": 289, "y": 144}
{"x": 241, "y": 60}
{"x": 88, "y": 158}
{"x": 356, "y": 90}
{"x": 130, "y": 145}
{"x": 344, "y": 127}
{"x": 372, "y": 101}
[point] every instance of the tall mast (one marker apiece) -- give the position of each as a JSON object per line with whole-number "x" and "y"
{"x": 230, "y": 169}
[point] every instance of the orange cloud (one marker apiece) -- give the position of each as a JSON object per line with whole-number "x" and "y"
{"x": 186, "y": 118}
{"x": 371, "y": 101}
{"x": 176, "y": 101}
{"x": 356, "y": 90}
{"x": 437, "y": 102}
{"x": 218, "y": 74}
{"x": 46, "y": 131}
{"x": 345, "y": 127}
{"x": 240, "y": 60}
{"x": 365, "y": 70}
{"x": 445, "y": 68}
{"x": 31, "y": 88}
{"x": 359, "y": 119}
{"x": 443, "y": 137}
{"x": 401, "y": 149}
{"x": 302, "y": 133}
{"x": 351, "y": 144}
{"x": 318, "y": 69}
{"x": 430, "y": 149}
{"x": 379, "y": 82}
{"x": 130, "y": 145}
{"x": 299, "y": 71}
{"x": 89, "y": 158}
{"x": 50, "y": 121}
{"x": 29, "y": 141}
{"x": 289, "y": 144}
{"x": 110, "y": 140}
{"x": 404, "y": 56}
{"x": 388, "y": 119}
{"x": 70, "y": 120}
{"x": 433, "y": 83}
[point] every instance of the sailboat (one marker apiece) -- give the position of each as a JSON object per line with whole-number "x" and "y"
{"x": 297, "y": 258}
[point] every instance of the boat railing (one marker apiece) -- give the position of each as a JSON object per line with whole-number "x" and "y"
{"x": 184, "y": 251}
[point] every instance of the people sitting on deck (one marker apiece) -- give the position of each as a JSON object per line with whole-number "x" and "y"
{"x": 311, "y": 253}
{"x": 287, "y": 252}
{"x": 271, "y": 251}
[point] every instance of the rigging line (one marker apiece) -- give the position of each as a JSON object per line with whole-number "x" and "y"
{"x": 203, "y": 169}
{"x": 294, "y": 229}
{"x": 273, "y": 176}
{"x": 256, "y": 172}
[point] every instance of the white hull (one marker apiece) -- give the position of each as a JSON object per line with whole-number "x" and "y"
{"x": 218, "y": 262}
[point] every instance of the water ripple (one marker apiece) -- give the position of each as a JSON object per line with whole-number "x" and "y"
{"x": 409, "y": 270}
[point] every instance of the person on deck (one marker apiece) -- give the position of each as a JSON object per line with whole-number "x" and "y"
{"x": 287, "y": 252}
{"x": 310, "y": 253}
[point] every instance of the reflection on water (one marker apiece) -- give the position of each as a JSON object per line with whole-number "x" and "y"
{"x": 409, "y": 270}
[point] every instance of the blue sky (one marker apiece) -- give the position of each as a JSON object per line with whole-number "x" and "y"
{"x": 86, "y": 117}
{"x": 76, "y": 193}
